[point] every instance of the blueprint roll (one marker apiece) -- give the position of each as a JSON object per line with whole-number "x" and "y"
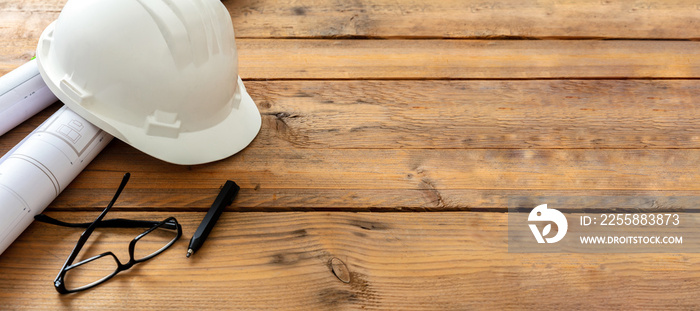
{"x": 22, "y": 94}
{"x": 33, "y": 173}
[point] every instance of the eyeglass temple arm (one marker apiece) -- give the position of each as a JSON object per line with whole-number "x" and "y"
{"x": 109, "y": 223}
{"x": 85, "y": 235}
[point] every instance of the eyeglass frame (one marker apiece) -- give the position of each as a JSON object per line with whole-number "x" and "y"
{"x": 168, "y": 223}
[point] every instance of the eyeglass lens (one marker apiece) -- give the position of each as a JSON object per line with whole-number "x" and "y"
{"x": 154, "y": 242}
{"x": 90, "y": 271}
{"x": 96, "y": 269}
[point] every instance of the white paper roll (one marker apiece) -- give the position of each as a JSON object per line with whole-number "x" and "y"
{"x": 35, "y": 171}
{"x": 22, "y": 94}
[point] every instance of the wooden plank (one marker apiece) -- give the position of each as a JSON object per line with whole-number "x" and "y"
{"x": 478, "y": 114}
{"x": 419, "y": 19}
{"x": 466, "y": 59}
{"x": 546, "y": 114}
{"x": 265, "y": 59}
{"x": 460, "y": 59}
{"x": 466, "y": 19}
{"x": 429, "y": 171}
{"x": 391, "y": 261}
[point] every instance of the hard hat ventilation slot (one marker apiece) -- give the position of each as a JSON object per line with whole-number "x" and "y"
{"x": 75, "y": 93}
{"x": 163, "y": 124}
{"x": 46, "y": 42}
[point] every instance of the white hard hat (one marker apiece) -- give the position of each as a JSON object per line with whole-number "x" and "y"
{"x": 161, "y": 75}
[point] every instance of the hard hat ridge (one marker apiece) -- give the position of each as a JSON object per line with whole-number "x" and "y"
{"x": 191, "y": 37}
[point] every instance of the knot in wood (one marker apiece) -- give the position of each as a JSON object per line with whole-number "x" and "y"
{"x": 339, "y": 269}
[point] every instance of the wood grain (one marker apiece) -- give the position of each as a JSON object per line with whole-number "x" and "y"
{"x": 265, "y": 59}
{"x": 262, "y": 58}
{"x": 466, "y": 59}
{"x": 95, "y": 198}
{"x": 541, "y": 114}
{"x": 675, "y": 19}
{"x": 407, "y": 261}
{"x": 666, "y": 169}
{"x": 417, "y": 19}
{"x": 580, "y": 114}
{"x": 22, "y": 24}
{"x": 375, "y": 179}
{"x": 277, "y": 175}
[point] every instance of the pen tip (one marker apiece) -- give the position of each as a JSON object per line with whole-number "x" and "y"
{"x": 189, "y": 252}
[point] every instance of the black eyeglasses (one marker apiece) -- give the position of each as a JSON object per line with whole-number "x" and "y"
{"x": 96, "y": 270}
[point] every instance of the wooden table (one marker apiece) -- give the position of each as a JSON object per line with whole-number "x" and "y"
{"x": 393, "y": 134}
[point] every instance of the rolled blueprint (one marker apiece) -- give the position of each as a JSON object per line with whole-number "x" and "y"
{"x": 22, "y": 94}
{"x": 34, "y": 172}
